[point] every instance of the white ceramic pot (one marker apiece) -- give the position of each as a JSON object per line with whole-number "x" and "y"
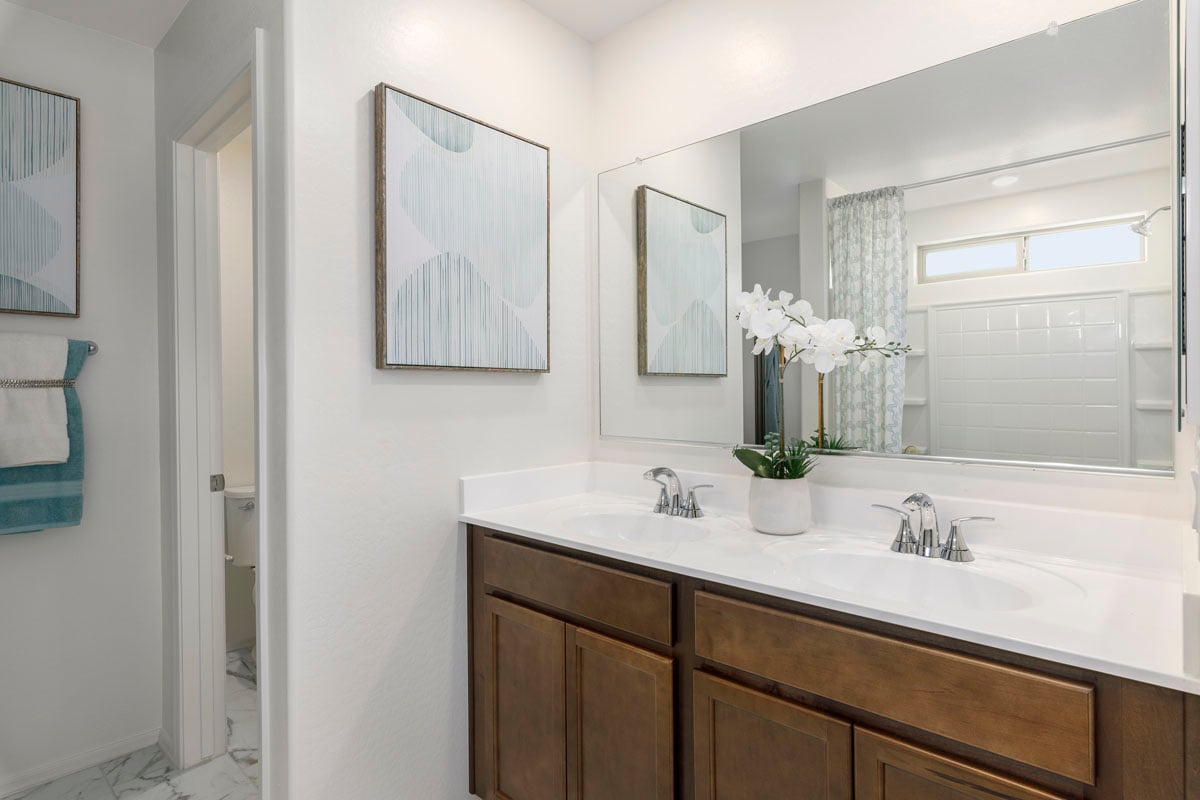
{"x": 780, "y": 507}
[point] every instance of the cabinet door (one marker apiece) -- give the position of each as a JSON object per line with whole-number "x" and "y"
{"x": 888, "y": 769}
{"x": 524, "y": 698}
{"x": 620, "y": 721}
{"x": 752, "y": 746}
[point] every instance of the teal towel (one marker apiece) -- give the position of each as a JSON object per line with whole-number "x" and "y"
{"x": 49, "y": 495}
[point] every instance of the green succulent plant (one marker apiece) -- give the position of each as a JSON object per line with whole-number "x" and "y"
{"x": 777, "y": 461}
{"x": 831, "y": 443}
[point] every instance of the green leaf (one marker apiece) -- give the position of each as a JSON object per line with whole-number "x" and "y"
{"x": 757, "y": 462}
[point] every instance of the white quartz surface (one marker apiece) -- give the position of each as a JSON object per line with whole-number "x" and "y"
{"x": 1095, "y": 614}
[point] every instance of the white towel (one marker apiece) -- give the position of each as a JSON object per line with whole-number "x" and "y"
{"x": 33, "y": 422}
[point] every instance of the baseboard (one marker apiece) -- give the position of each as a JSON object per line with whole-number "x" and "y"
{"x": 20, "y": 782}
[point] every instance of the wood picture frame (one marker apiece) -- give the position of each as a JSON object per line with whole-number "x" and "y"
{"x": 677, "y": 352}
{"x": 37, "y": 277}
{"x": 458, "y": 272}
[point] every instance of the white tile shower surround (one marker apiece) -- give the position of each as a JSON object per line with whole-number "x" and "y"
{"x": 1045, "y": 379}
{"x": 146, "y": 774}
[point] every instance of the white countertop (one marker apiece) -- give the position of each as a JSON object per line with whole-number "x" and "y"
{"x": 1127, "y": 622}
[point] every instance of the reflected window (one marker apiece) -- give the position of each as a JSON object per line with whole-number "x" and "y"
{"x": 1090, "y": 245}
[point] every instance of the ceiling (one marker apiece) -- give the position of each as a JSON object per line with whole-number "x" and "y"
{"x": 143, "y": 22}
{"x": 594, "y": 19}
{"x": 1102, "y": 79}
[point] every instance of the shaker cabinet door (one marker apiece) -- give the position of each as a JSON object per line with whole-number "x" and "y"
{"x": 888, "y": 769}
{"x": 620, "y": 721}
{"x": 524, "y": 703}
{"x": 753, "y": 746}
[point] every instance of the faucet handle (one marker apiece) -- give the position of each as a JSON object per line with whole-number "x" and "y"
{"x": 664, "y": 504}
{"x": 691, "y": 510}
{"x": 905, "y": 541}
{"x": 955, "y": 549}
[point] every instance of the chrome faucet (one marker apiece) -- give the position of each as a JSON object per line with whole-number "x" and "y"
{"x": 930, "y": 545}
{"x": 668, "y": 495}
{"x": 929, "y": 542}
{"x": 671, "y": 493}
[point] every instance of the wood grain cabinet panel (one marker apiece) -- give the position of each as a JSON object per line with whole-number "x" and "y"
{"x": 752, "y": 746}
{"x": 524, "y": 704}
{"x": 1040, "y": 720}
{"x": 619, "y": 721}
{"x": 888, "y": 769}
{"x": 630, "y": 603}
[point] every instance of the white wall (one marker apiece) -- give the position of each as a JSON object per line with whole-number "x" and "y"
{"x": 680, "y": 408}
{"x": 696, "y": 68}
{"x": 377, "y": 583}
{"x": 80, "y": 626}
{"x": 198, "y": 59}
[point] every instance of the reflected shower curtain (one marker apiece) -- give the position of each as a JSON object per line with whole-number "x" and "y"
{"x": 868, "y": 257}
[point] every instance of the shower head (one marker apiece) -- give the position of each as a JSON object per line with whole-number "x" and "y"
{"x": 1142, "y": 226}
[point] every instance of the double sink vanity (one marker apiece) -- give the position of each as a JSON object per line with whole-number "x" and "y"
{"x": 980, "y": 299}
{"x": 621, "y": 653}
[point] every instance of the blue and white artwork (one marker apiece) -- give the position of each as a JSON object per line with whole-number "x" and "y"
{"x": 39, "y": 211}
{"x": 463, "y": 251}
{"x": 681, "y": 286}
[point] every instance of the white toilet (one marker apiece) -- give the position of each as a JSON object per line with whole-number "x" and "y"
{"x": 241, "y": 532}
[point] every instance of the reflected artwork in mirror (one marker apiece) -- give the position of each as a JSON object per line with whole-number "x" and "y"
{"x": 681, "y": 286}
{"x": 1010, "y": 216}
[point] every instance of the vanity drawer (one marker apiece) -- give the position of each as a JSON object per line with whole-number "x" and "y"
{"x": 631, "y": 603}
{"x": 1042, "y": 721}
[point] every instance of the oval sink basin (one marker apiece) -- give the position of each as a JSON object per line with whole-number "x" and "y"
{"x": 634, "y": 526}
{"x": 910, "y": 580}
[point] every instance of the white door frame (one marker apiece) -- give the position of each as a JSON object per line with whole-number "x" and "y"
{"x": 194, "y": 603}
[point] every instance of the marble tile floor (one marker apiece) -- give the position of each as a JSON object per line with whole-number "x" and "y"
{"x": 146, "y": 774}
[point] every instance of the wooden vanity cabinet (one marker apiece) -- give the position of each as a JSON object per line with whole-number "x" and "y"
{"x": 593, "y": 680}
{"x": 889, "y": 769}
{"x": 562, "y": 712}
{"x": 752, "y": 746}
{"x": 524, "y": 702}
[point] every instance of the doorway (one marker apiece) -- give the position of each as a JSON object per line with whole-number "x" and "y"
{"x": 212, "y": 677}
{"x": 236, "y": 421}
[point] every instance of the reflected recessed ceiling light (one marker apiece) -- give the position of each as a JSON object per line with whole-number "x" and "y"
{"x": 1004, "y": 180}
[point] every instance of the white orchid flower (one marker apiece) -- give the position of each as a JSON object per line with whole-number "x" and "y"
{"x": 802, "y": 310}
{"x": 761, "y": 346}
{"x": 841, "y": 331}
{"x": 769, "y": 323}
{"x": 748, "y": 303}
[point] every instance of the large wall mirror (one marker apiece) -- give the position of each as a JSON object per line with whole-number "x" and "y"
{"x": 1010, "y": 215}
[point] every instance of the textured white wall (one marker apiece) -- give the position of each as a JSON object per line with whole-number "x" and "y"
{"x": 80, "y": 625}
{"x": 377, "y": 571}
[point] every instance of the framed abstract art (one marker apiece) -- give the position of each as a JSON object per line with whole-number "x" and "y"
{"x": 462, "y": 221}
{"x": 39, "y": 201}
{"x": 682, "y": 294}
